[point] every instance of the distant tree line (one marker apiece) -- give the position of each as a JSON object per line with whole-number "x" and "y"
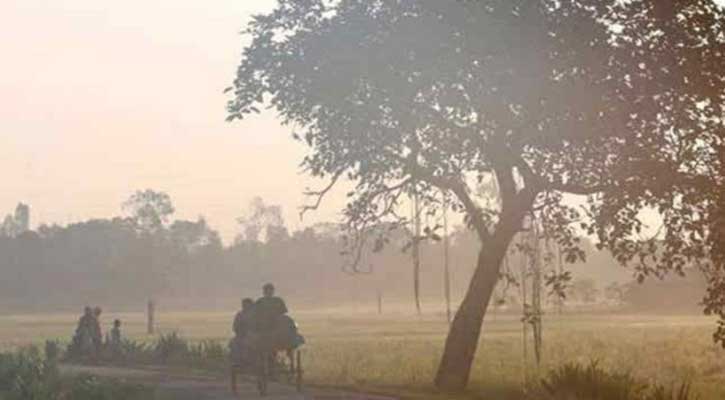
{"x": 125, "y": 260}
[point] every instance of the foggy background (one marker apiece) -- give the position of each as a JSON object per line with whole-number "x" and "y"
{"x": 99, "y": 99}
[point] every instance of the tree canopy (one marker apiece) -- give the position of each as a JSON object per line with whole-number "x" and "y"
{"x": 621, "y": 102}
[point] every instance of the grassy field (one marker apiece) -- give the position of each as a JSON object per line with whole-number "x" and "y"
{"x": 398, "y": 353}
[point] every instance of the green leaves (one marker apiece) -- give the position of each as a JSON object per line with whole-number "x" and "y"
{"x": 590, "y": 98}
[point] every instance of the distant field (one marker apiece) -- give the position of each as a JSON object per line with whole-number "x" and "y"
{"x": 399, "y": 352}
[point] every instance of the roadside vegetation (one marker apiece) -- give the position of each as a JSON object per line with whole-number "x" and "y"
{"x": 397, "y": 354}
{"x": 26, "y": 374}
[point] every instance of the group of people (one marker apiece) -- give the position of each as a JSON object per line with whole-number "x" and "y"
{"x": 262, "y": 325}
{"x": 87, "y": 343}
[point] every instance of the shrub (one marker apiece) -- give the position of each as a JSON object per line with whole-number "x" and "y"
{"x": 208, "y": 354}
{"x": 171, "y": 348}
{"x": 52, "y": 352}
{"x": 25, "y": 375}
{"x": 134, "y": 352}
{"x": 592, "y": 382}
{"x": 91, "y": 388}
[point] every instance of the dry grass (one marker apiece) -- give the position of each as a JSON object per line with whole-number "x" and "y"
{"x": 398, "y": 353}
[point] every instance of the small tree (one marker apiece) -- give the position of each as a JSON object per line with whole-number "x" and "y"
{"x": 15, "y": 224}
{"x": 262, "y": 222}
{"x": 614, "y": 293}
{"x": 149, "y": 210}
{"x": 616, "y": 101}
{"x": 585, "y": 290}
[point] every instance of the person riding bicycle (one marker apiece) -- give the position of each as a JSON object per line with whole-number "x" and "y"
{"x": 242, "y": 345}
{"x": 244, "y": 321}
{"x": 277, "y": 330}
{"x": 268, "y": 309}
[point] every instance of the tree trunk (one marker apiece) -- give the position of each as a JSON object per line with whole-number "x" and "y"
{"x": 416, "y": 252}
{"x": 462, "y": 341}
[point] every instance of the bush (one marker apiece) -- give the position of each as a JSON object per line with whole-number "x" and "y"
{"x": 92, "y": 388}
{"x": 171, "y": 349}
{"x": 26, "y": 375}
{"x": 592, "y": 382}
{"x": 133, "y": 352}
{"x": 208, "y": 354}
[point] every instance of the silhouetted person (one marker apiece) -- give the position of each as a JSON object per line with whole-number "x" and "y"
{"x": 116, "y": 339}
{"x": 244, "y": 320}
{"x": 96, "y": 333}
{"x": 86, "y": 321}
{"x": 82, "y": 343}
{"x": 241, "y": 346}
{"x": 268, "y": 309}
{"x": 116, "y": 333}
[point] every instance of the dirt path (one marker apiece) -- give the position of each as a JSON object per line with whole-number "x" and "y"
{"x": 188, "y": 386}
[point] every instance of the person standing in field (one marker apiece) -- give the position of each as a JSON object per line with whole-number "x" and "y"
{"x": 96, "y": 333}
{"x": 116, "y": 339}
{"x": 85, "y": 322}
{"x": 82, "y": 343}
{"x": 116, "y": 333}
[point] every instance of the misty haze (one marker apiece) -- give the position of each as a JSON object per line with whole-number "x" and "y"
{"x": 353, "y": 199}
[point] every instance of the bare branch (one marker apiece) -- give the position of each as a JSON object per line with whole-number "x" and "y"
{"x": 319, "y": 195}
{"x": 461, "y": 191}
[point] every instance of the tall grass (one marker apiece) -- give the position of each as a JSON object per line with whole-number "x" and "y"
{"x": 397, "y": 352}
{"x": 171, "y": 350}
{"x": 408, "y": 367}
{"x": 592, "y": 382}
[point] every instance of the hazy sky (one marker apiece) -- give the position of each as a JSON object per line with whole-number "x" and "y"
{"x": 99, "y": 98}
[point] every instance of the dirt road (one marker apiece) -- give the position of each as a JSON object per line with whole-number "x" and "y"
{"x": 188, "y": 386}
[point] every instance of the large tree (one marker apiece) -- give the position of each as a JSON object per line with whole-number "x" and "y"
{"x": 620, "y": 102}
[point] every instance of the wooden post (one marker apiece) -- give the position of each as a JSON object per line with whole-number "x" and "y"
{"x": 150, "y": 309}
{"x": 380, "y": 302}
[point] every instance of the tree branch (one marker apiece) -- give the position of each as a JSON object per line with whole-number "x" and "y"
{"x": 578, "y": 189}
{"x": 320, "y": 195}
{"x": 460, "y": 190}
